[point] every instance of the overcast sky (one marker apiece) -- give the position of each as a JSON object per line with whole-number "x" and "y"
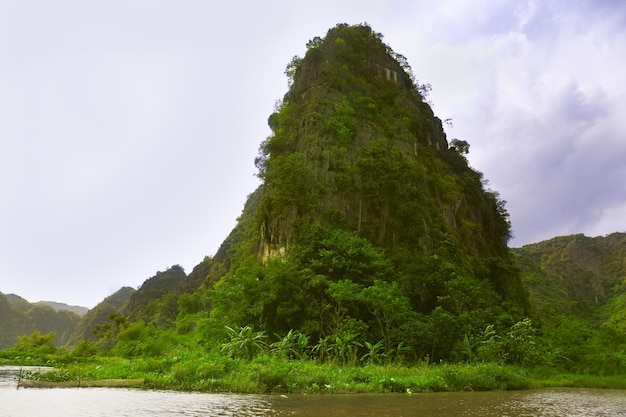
{"x": 128, "y": 128}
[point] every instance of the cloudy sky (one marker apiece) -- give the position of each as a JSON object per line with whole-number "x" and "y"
{"x": 128, "y": 128}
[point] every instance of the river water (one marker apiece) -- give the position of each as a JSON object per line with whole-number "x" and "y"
{"x": 97, "y": 402}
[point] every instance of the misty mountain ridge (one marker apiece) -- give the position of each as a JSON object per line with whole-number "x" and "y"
{"x": 20, "y": 317}
{"x": 56, "y": 306}
{"x": 81, "y": 311}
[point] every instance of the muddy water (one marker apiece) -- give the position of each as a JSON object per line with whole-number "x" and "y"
{"x": 536, "y": 403}
{"x": 138, "y": 403}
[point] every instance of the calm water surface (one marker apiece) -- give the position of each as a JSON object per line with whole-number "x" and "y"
{"x": 96, "y": 402}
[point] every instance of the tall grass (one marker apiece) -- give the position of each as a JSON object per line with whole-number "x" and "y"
{"x": 267, "y": 374}
{"x": 209, "y": 370}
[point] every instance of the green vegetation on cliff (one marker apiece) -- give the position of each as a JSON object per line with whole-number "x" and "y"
{"x": 368, "y": 222}
{"x": 577, "y": 286}
{"x": 18, "y": 318}
{"x": 97, "y": 316}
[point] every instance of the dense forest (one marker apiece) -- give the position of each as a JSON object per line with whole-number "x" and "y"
{"x": 371, "y": 241}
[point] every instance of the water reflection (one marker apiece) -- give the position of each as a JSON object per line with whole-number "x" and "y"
{"x": 100, "y": 402}
{"x": 569, "y": 403}
{"x": 96, "y": 402}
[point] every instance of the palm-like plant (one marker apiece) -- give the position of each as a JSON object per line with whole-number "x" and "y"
{"x": 293, "y": 345}
{"x": 344, "y": 347}
{"x": 244, "y": 342}
{"x": 374, "y": 352}
{"x": 323, "y": 349}
{"x": 397, "y": 354}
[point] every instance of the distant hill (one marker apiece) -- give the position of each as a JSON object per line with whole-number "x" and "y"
{"x": 20, "y": 317}
{"x": 81, "y": 311}
{"x": 577, "y": 276}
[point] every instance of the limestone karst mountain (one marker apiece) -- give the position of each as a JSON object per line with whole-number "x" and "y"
{"x": 368, "y": 220}
{"x": 364, "y": 197}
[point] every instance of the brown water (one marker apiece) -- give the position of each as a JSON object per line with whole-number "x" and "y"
{"x": 96, "y": 402}
{"x": 536, "y": 403}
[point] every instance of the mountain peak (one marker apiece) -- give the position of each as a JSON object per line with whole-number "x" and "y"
{"x": 361, "y": 188}
{"x": 354, "y": 144}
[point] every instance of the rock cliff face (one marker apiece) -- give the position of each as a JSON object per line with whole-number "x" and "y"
{"x": 360, "y": 184}
{"x": 356, "y": 146}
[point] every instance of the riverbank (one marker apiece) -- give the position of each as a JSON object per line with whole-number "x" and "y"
{"x": 269, "y": 375}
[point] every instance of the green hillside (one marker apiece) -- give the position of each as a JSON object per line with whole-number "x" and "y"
{"x": 576, "y": 275}
{"x": 19, "y": 317}
{"x": 86, "y": 328}
{"x": 81, "y": 311}
{"x": 577, "y": 286}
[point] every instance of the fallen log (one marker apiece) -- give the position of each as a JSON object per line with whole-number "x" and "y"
{"x": 97, "y": 383}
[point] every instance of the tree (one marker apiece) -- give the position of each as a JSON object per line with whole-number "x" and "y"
{"x": 388, "y": 305}
{"x": 340, "y": 255}
{"x": 521, "y": 343}
{"x": 292, "y": 68}
{"x": 343, "y": 294}
{"x": 106, "y": 333}
{"x": 36, "y": 343}
{"x": 461, "y": 146}
{"x": 445, "y": 334}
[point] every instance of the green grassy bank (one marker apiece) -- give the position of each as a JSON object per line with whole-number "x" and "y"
{"x": 266, "y": 374}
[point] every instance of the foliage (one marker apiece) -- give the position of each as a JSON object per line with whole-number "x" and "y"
{"x": 36, "y": 343}
{"x": 20, "y": 317}
{"x": 293, "y": 346}
{"x": 85, "y": 349}
{"x": 374, "y": 352}
{"x": 244, "y": 342}
{"x": 106, "y": 333}
{"x": 196, "y": 370}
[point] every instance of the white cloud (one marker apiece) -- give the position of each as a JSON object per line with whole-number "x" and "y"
{"x": 535, "y": 101}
